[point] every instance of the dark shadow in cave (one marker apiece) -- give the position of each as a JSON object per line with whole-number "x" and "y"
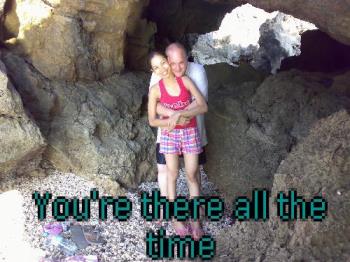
{"x": 319, "y": 53}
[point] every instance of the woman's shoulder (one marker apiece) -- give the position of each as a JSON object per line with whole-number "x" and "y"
{"x": 154, "y": 90}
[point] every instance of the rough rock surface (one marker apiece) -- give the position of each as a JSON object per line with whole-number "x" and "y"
{"x": 260, "y": 124}
{"x": 72, "y": 40}
{"x": 251, "y": 34}
{"x": 2, "y": 8}
{"x": 230, "y": 156}
{"x": 329, "y": 56}
{"x": 21, "y": 141}
{"x": 94, "y": 128}
{"x": 140, "y": 42}
{"x": 341, "y": 85}
{"x": 279, "y": 38}
{"x": 318, "y": 166}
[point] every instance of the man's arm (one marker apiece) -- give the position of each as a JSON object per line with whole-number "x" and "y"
{"x": 199, "y": 78}
{"x": 201, "y": 106}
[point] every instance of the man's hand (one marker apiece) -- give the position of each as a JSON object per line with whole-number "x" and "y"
{"x": 173, "y": 120}
{"x": 183, "y": 120}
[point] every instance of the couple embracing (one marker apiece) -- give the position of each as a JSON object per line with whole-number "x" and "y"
{"x": 177, "y": 102}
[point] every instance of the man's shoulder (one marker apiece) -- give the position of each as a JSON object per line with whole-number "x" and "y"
{"x": 195, "y": 70}
{"x": 195, "y": 66}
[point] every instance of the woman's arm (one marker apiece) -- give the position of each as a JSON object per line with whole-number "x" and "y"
{"x": 163, "y": 111}
{"x": 200, "y": 107}
{"x": 153, "y": 99}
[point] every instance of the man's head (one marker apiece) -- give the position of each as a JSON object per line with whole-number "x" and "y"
{"x": 177, "y": 58}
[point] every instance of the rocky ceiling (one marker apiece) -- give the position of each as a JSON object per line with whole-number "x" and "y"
{"x": 332, "y": 17}
{"x": 187, "y": 16}
{"x": 92, "y": 40}
{"x": 176, "y": 18}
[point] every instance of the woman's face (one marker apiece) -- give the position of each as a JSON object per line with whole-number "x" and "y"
{"x": 160, "y": 66}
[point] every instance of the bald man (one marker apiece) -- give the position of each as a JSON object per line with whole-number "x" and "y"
{"x": 177, "y": 58}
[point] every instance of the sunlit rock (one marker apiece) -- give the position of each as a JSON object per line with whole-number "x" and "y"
{"x": 72, "y": 40}
{"x": 251, "y": 34}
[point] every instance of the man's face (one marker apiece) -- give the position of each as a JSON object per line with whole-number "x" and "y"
{"x": 178, "y": 62}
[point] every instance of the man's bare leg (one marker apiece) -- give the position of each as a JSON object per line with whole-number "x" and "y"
{"x": 163, "y": 179}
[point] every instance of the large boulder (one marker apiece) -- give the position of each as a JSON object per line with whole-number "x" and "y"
{"x": 259, "y": 124}
{"x": 279, "y": 38}
{"x": 95, "y": 128}
{"x": 21, "y": 141}
{"x": 264, "y": 39}
{"x": 318, "y": 166}
{"x": 72, "y": 40}
{"x": 227, "y": 44}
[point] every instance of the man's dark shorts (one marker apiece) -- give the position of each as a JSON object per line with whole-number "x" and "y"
{"x": 202, "y": 159}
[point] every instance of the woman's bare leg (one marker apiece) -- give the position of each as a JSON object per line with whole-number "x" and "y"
{"x": 191, "y": 167}
{"x": 172, "y": 163}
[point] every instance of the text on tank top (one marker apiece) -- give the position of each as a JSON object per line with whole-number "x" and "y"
{"x": 177, "y": 103}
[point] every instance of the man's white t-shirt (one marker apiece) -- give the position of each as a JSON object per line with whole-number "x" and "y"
{"x": 196, "y": 73}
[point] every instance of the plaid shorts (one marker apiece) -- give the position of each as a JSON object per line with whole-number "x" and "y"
{"x": 178, "y": 141}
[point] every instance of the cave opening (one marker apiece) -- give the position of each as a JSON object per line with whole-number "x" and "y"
{"x": 220, "y": 32}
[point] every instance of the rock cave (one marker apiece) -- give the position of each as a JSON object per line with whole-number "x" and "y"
{"x": 73, "y": 112}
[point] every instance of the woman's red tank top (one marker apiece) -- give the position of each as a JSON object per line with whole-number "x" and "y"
{"x": 176, "y": 103}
